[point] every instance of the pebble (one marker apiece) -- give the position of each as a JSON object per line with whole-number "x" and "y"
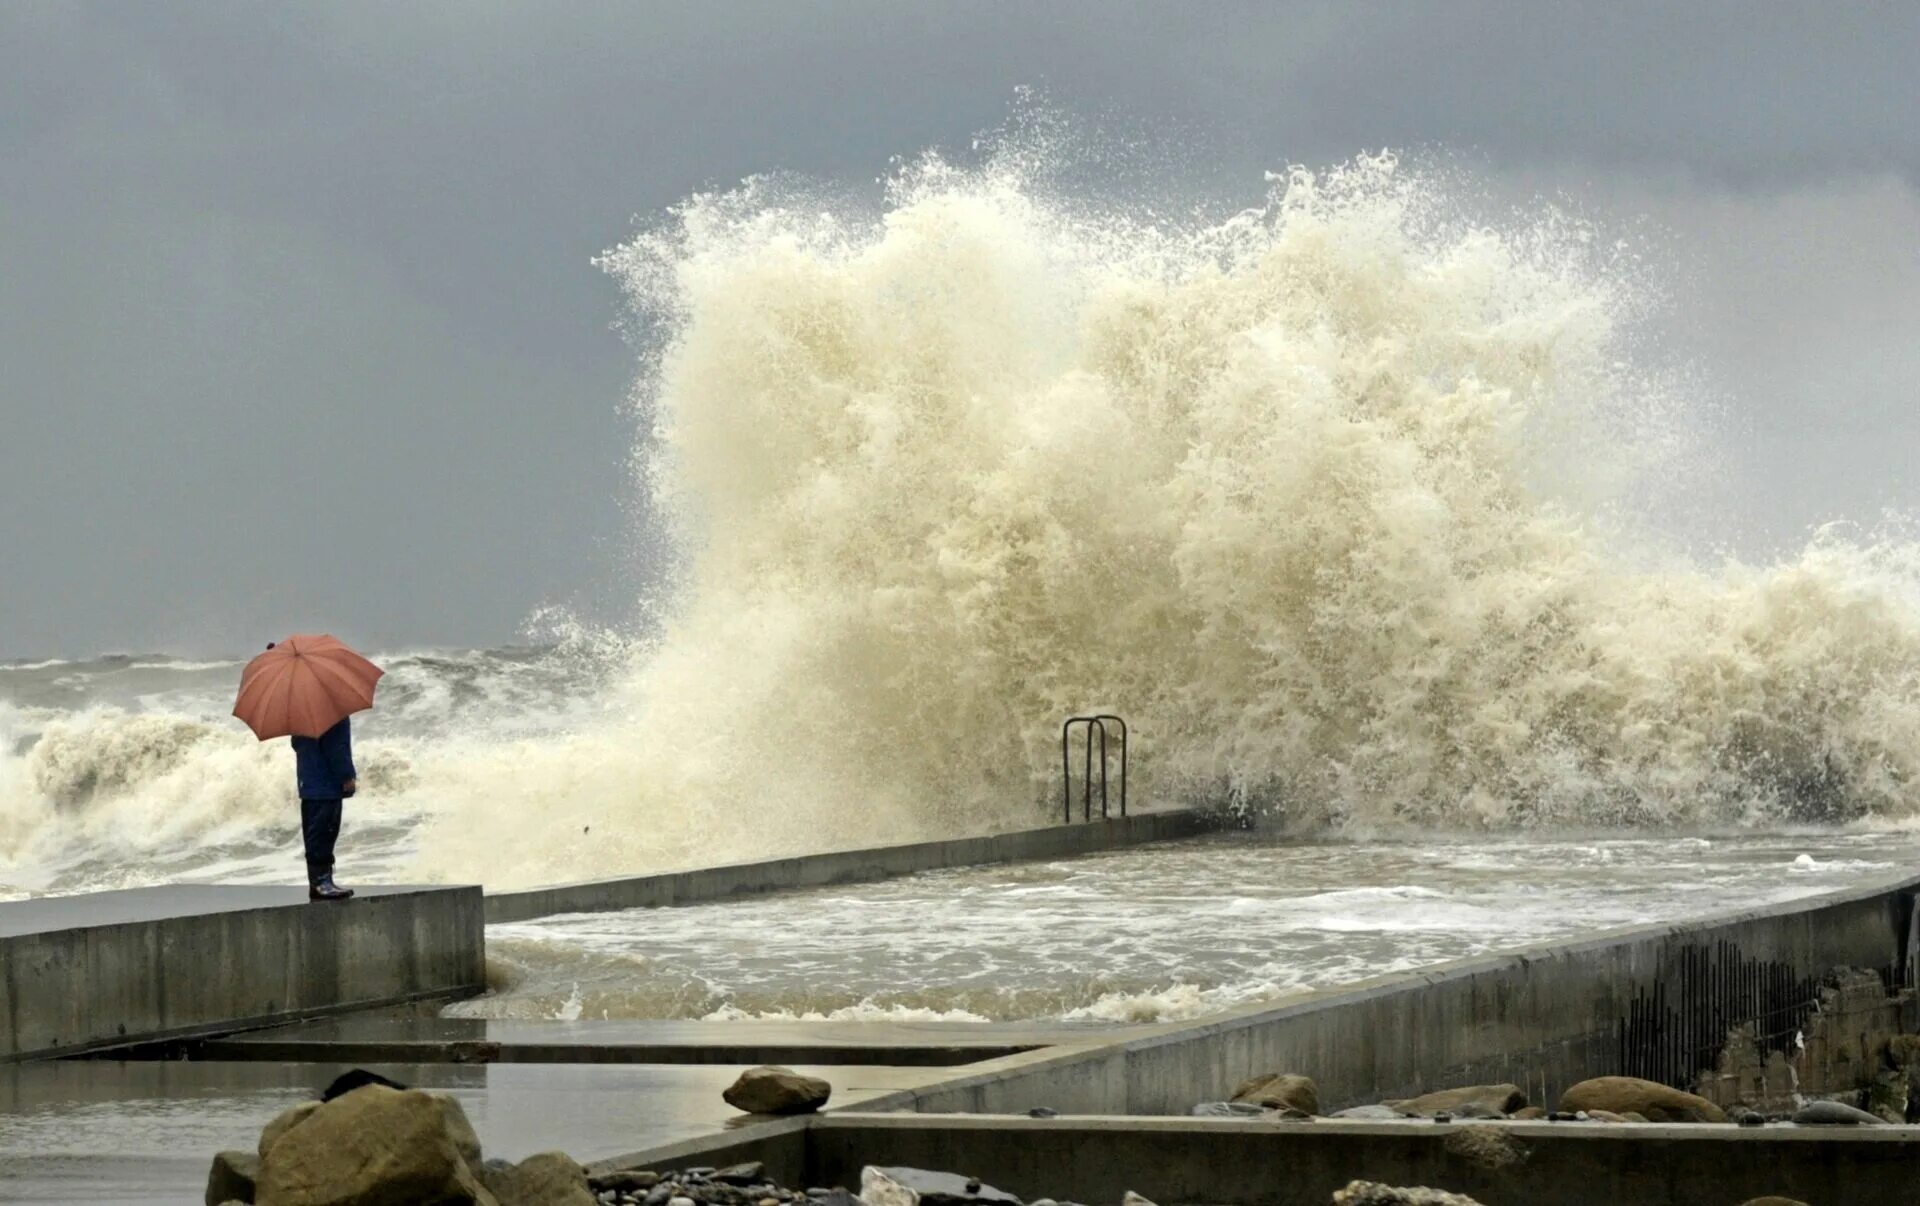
{"x": 679, "y": 1202}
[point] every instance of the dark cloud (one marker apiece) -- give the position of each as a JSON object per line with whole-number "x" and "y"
{"x": 272, "y": 269}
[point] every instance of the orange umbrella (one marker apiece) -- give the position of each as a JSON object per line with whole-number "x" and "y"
{"x": 304, "y": 686}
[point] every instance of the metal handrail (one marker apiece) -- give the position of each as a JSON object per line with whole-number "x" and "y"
{"x": 1092, "y": 723}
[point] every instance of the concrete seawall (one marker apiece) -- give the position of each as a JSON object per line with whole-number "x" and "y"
{"x": 708, "y": 884}
{"x": 1654, "y": 1002}
{"x": 113, "y": 968}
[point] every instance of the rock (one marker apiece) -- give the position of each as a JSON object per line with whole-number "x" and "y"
{"x": 1530, "y": 1114}
{"x": 1488, "y": 1147}
{"x": 1372, "y": 1193}
{"x": 1888, "y": 1097}
{"x": 1475, "y": 1109}
{"x": 920, "y": 1187}
{"x": 1773, "y": 1200}
{"x": 232, "y": 1177}
{"x": 1651, "y": 1100}
{"x": 741, "y": 1174}
{"x": 547, "y": 1179}
{"x": 624, "y": 1180}
{"x": 1043, "y": 1112}
{"x": 357, "y": 1078}
{"x": 1833, "y": 1113}
{"x": 1378, "y": 1113}
{"x": 776, "y": 1090}
{"x": 1603, "y": 1116}
{"x": 284, "y": 1123}
{"x": 375, "y": 1147}
{"x": 1280, "y": 1091}
{"x": 680, "y": 1201}
{"x": 1131, "y": 1198}
{"x": 658, "y": 1195}
{"x": 1498, "y": 1099}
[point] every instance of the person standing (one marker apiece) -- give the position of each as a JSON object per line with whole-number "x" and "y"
{"x": 324, "y": 766}
{"x": 306, "y": 687}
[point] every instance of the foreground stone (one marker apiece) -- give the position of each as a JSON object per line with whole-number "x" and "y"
{"x": 772, "y": 1089}
{"x": 1630, "y": 1095}
{"x": 921, "y": 1187}
{"x": 1488, "y": 1147}
{"x": 375, "y": 1147}
{"x": 232, "y": 1177}
{"x": 1372, "y": 1193}
{"x": 548, "y": 1179}
{"x": 1280, "y": 1091}
{"x": 287, "y": 1120}
{"x": 1499, "y": 1099}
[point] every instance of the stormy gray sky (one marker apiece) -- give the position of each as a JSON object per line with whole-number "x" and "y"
{"x": 298, "y": 326}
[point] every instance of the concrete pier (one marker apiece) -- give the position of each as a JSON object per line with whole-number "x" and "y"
{"x": 412, "y": 1039}
{"x": 708, "y": 884}
{"x": 113, "y": 968}
{"x": 1236, "y": 1163}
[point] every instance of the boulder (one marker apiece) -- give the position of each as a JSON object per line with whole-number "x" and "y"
{"x": 921, "y": 1187}
{"x": 232, "y": 1177}
{"x": 1280, "y": 1091}
{"x": 1488, "y": 1147}
{"x": 375, "y": 1147}
{"x": 284, "y": 1123}
{"x": 355, "y": 1078}
{"x": 1372, "y": 1193}
{"x": 1605, "y": 1116}
{"x": 1651, "y": 1100}
{"x": 1889, "y": 1098}
{"x": 625, "y": 1180}
{"x": 1833, "y": 1113}
{"x": 548, "y": 1179}
{"x": 1499, "y": 1099}
{"x": 775, "y": 1090}
{"x": 752, "y": 1172}
{"x": 1904, "y": 1049}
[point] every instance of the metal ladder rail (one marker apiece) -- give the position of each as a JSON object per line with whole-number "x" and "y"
{"x": 1092, "y": 723}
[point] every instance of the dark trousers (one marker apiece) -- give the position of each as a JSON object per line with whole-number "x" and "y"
{"x": 320, "y": 825}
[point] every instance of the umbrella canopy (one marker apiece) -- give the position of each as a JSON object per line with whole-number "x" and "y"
{"x": 303, "y": 686}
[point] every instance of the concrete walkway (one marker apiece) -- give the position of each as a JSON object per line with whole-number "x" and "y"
{"x": 407, "y": 1039}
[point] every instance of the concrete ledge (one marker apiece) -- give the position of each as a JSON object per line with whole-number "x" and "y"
{"x": 709, "y": 884}
{"x": 1250, "y": 1163}
{"x": 1231, "y": 1163}
{"x": 1542, "y": 1018}
{"x": 113, "y": 968}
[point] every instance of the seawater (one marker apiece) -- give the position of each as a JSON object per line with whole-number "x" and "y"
{"x": 1155, "y": 933}
{"x": 1333, "y": 497}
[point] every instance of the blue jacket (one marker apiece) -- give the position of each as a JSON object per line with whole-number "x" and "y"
{"x": 325, "y": 763}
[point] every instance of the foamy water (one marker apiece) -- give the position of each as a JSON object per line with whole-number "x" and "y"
{"x": 1150, "y": 934}
{"x": 1324, "y": 497}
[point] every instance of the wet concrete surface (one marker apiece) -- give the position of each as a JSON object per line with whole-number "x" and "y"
{"x": 49, "y": 914}
{"x": 402, "y": 1037}
{"x": 144, "y": 1132}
